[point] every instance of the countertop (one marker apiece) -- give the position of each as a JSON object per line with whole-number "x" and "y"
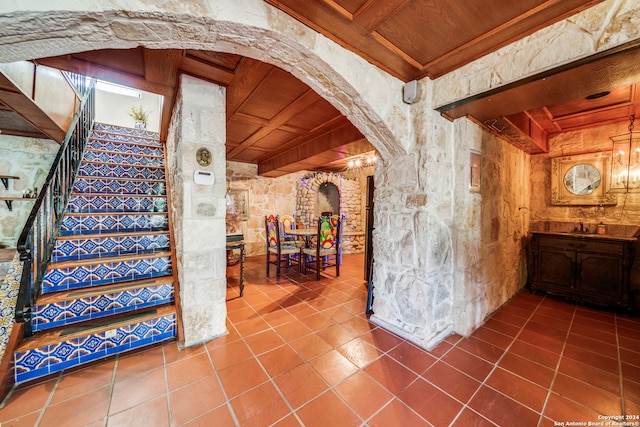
{"x": 579, "y": 235}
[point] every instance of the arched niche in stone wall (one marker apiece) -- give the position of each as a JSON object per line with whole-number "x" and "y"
{"x": 327, "y": 199}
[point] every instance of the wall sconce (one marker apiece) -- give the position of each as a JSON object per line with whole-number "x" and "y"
{"x": 625, "y": 161}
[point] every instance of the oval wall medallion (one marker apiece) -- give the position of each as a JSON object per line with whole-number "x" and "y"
{"x": 203, "y": 156}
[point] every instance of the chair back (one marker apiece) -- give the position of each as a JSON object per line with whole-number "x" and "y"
{"x": 328, "y": 231}
{"x": 272, "y": 226}
{"x": 287, "y": 223}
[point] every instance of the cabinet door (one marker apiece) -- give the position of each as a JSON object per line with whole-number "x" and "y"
{"x": 555, "y": 269}
{"x": 600, "y": 277}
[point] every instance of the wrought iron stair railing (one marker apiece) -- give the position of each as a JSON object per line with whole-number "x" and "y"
{"x": 38, "y": 236}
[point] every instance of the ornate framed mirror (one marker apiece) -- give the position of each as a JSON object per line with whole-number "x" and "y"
{"x": 582, "y": 180}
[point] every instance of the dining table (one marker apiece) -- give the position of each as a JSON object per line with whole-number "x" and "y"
{"x": 307, "y": 233}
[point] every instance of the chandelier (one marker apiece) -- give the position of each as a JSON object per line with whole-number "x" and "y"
{"x": 625, "y": 168}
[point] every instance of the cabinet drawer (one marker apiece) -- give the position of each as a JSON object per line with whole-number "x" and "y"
{"x": 582, "y": 245}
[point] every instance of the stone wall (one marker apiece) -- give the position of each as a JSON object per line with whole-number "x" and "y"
{"x": 294, "y": 194}
{"x": 351, "y": 206}
{"x": 446, "y": 257}
{"x": 30, "y": 160}
{"x": 198, "y": 211}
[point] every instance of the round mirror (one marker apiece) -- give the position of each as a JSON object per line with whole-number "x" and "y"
{"x": 582, "y": 179}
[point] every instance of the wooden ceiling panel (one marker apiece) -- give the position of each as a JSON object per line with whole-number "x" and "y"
{"x": 412, "y": 39}
{"x": 274, "y": 140}
{"x": 276, "y": 92}
{"x": 238, "y": 131}
{"x": 247, "y": 156}
{"x": 619, "y": 96}
{"x": 315, "y": 116}
{"x": 128, "y": 61}
{"x": 226, "y": 61}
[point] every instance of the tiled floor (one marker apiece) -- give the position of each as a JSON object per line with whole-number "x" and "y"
{"x": 301, "y": 352}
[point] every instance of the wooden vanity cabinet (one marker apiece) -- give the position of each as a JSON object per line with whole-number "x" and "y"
{"x": 582, "y": 268}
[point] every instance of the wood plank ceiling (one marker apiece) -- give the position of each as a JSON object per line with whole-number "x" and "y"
{"x": 279, "y": 123}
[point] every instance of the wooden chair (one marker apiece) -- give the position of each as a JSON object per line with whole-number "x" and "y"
{"x": 287, "y": 222}
{"x": 285, "y": 253}
{"x": 325, "y": 251}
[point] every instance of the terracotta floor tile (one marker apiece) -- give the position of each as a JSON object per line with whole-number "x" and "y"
{"x": 441, "y": 349}
{"x": 397, "y": 414}
{"x": 84, "y": 380}
{"x": 230, "y": 354}
{"x": 358, "y": 325}
{"x": 333, "y": 367}
{"x": 22, "y": 421}
{"x": 525, "y": 368}
{"x": 300, "y": 385}
{"x": 360, "y": 352}
{"x": 138, "y": 362}
{"x": 154, "y": 413}
{"x": 423, "y": 397}
{"x": 288, "y": 421}
{"x": 241, "y": 377}
{"x": 413, "y": 357}
{"x": 509, "y": 318}
{"x": 292, "y": 330}
{"x": 468, "y": 417}
{"x": 560, "y": 409}
{"x": 590, "y": 344}
{"x": 79, "y": 411}
{"x": 318, "y": 374}
{"x": 196, "y": 399}
{"x": 137, "y": 389}
{"x": 452, "y": 381}
{"x": 587, "y": 395}
{"x": 502, "y": 327}
{"x": 519, "y": 389}
{"x": 466, "y": 362}
{"x": 492, "y": 337}
{"x": 220, "y": 417}
{"x": 278, "y": 317}
{"x": 328, "y": 410}
{"x": 264, "y": 341}
{"x": 591, "y": 358}
{"x": 189, "y": 370}
{"x": 535, "y": 354}
{"x": 172, "y": 353}
{"x": 261, "y": 406}
{"x": 609, "y": 381}
{"x": 502, "y": 410}
{"x": 390, "y": 374}
{"x": 382, "y": 339}
{"x": 280, "y": 360}
{"x": 541, "y": 340}
{"x": 363, "y": 394}
{"x": 251, "y": 326}
{"x": 336, "y": 335}
{"x": 310, "y": 346}
{"x": 606, "y": 337}
{"x": 482, "y": 349}
{"x": 632, "y": 390}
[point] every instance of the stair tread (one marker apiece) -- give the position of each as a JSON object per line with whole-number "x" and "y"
{"x": 106, "y": 259}
{"x": 55, "y": 297}
{"x": 116, "y": 178}
{"x": 123, "y": 164}
{"x": 102, "y": 151}
{"x": 130, "y": 195}
{"x": 86, "y": 213}
{"x": 90, "y": 235}
{"x": 67, "y": 333}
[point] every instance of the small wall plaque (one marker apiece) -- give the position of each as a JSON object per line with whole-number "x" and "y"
{"x": 203, "y": 156}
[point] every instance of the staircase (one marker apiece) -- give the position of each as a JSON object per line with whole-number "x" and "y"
{"x": 109, "y": 287}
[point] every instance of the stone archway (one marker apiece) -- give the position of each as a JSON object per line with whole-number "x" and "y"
{"x": 249, "y": 28}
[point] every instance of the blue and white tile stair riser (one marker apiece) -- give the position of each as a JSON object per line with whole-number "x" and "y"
{"x": 117, "y": 208}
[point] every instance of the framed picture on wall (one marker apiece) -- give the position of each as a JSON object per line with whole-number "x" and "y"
{"x": 475, "y": 161}
{"x": 238, "y": 204}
